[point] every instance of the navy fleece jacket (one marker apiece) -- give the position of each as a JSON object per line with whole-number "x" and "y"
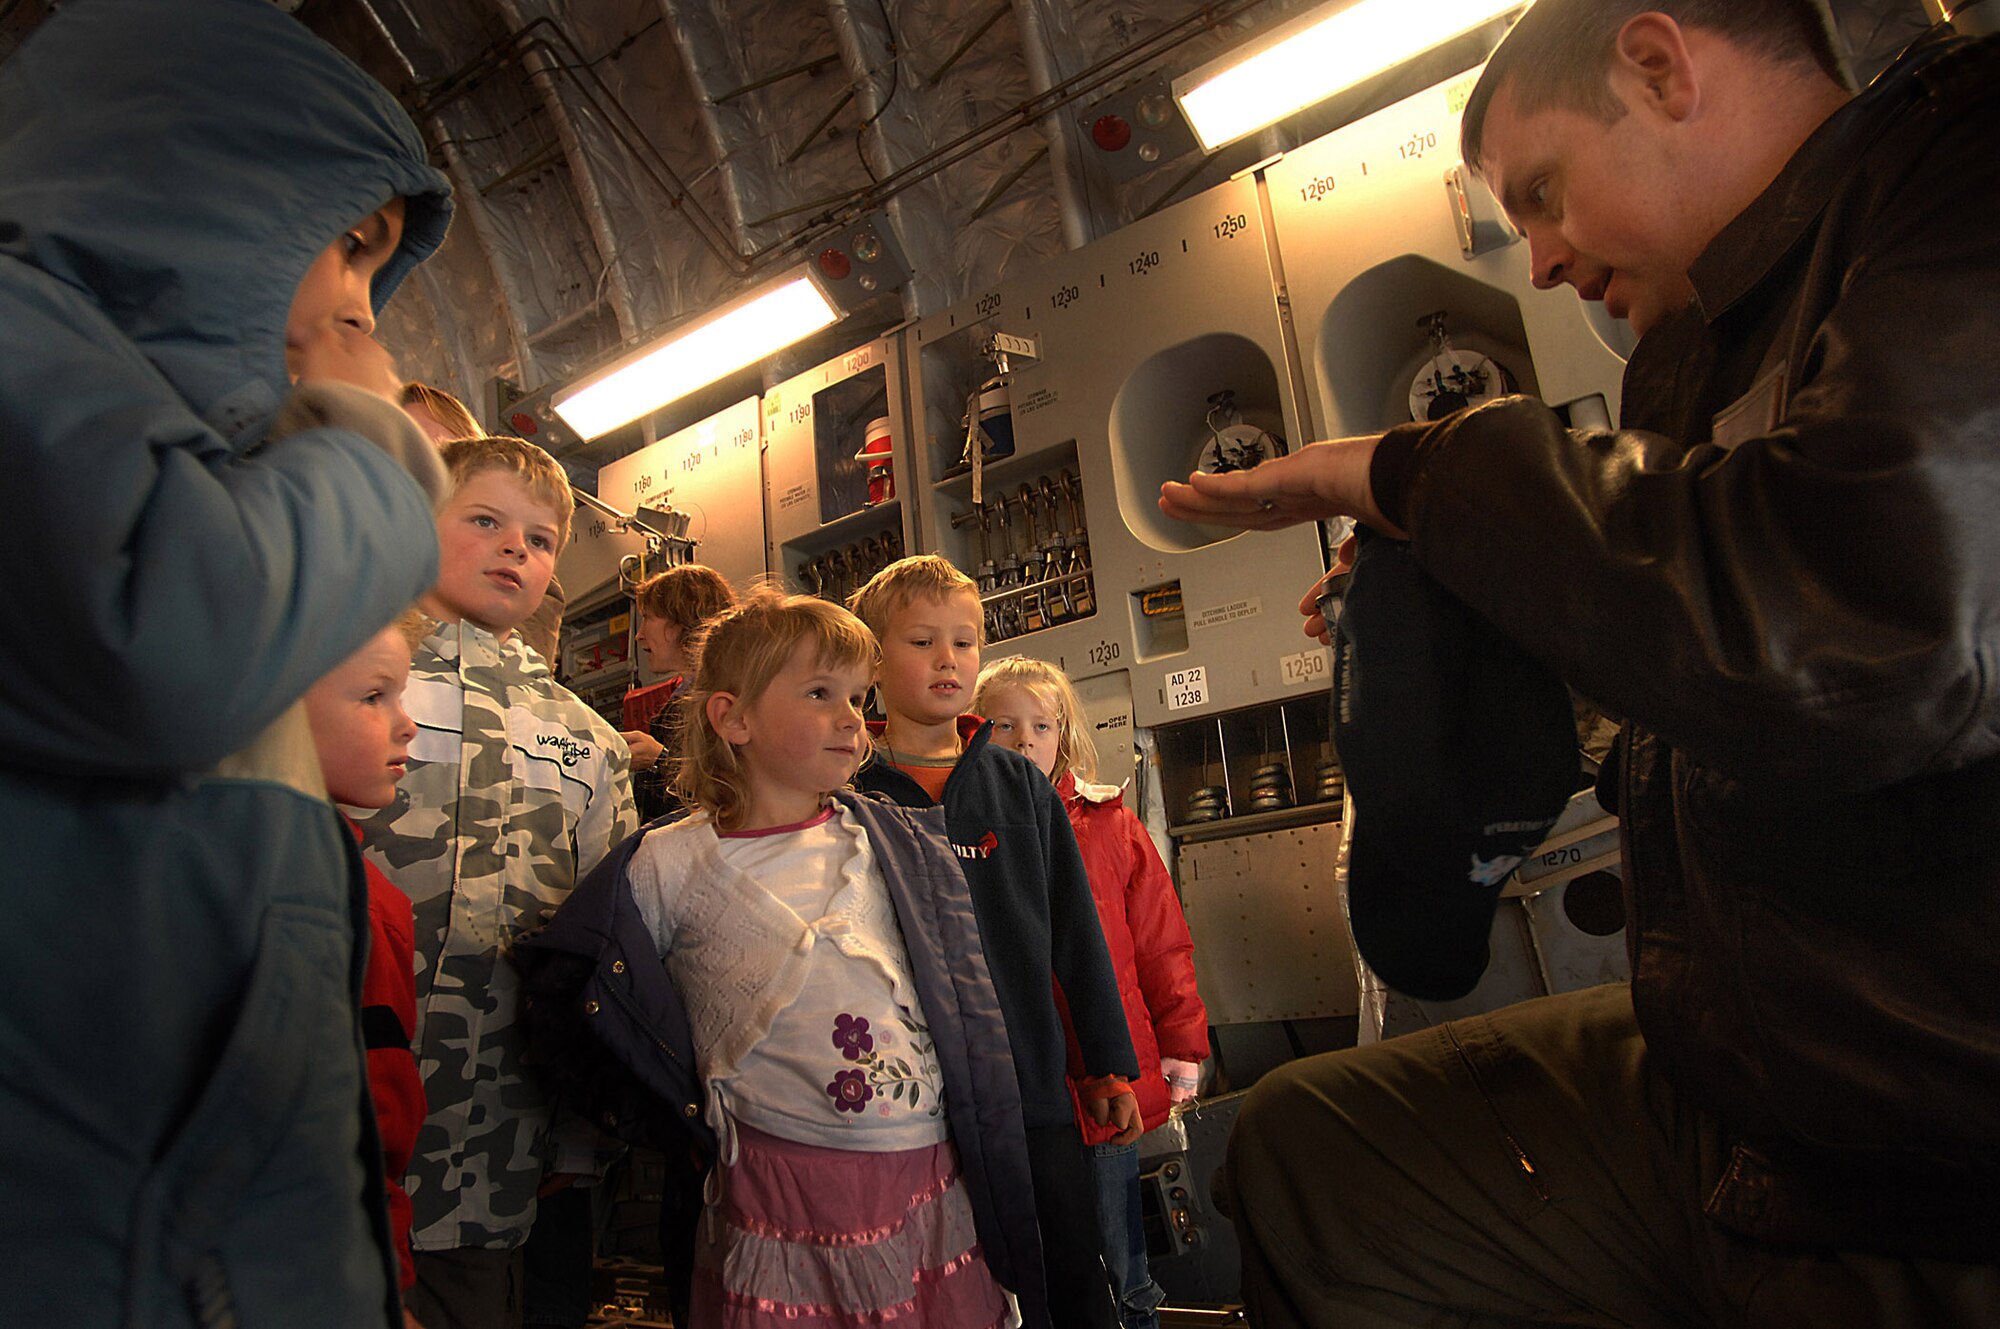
{"x": 1036, "y": 915}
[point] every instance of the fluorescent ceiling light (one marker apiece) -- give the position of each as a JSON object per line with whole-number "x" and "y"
{"x": 740, "y": 333}
{"x": 1312, "y": 57}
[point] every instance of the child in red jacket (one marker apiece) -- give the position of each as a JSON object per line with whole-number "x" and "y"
{"x": 1034, "y": 711}
{"x": 363, "y": 737}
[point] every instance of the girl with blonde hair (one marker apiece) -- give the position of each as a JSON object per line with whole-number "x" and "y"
{"x": 1035, "y": 711}
{"x": 843, "y": 1020}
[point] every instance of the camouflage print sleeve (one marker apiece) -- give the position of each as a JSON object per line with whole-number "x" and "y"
{"x": 611, "y": 814}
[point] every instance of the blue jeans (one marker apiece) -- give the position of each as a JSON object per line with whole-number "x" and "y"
{"x": 1116, "y": 1168}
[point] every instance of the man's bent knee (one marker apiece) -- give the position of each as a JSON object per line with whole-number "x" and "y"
{"x": 1293, "y": 1130}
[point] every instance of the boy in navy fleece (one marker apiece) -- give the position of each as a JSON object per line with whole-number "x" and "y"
{"x": 1037, "y": 919}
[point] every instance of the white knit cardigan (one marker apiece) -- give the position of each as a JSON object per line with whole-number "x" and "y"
{"x": 738, "y": 954}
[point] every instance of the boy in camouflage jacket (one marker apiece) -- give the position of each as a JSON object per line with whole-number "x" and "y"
{"x": 515, "y": 789}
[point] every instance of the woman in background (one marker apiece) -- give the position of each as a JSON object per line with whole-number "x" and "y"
{"x": 673, "y": 607}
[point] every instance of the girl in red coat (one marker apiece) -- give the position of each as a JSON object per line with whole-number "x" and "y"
{"x": 1034, "y": 710}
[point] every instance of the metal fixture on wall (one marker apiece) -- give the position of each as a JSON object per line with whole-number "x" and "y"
{"x": 860, "y": 261}
{"x": 1137, "y": 129}
{"x": 665, "y": 530}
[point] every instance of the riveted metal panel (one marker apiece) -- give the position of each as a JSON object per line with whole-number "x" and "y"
{"x": 1572, "y": 948}
{"x": 1573, "y": 899}
{"x": 1270, "y": 936}
{"x": 1544, "y": 940}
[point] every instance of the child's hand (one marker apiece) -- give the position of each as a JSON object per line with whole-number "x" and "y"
{"x": 343, "y": 353}
{"x": 1183, "y": 1079}
{"x": 1122, "y": 1112}
{"x": 646, "y": 749}
{"x": 1111, "y": 1102}
{"x": 553, "y": 1182}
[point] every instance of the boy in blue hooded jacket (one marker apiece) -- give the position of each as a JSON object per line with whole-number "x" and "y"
{"x": 201, "y": 205}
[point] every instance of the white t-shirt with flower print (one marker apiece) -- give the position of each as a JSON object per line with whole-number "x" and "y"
{"x": 849, "y": 1063}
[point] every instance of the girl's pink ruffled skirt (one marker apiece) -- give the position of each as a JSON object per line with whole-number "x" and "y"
{"x": 805, "y": 1237}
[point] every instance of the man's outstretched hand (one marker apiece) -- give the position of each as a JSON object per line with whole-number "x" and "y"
{"x": 1318, "y": 481}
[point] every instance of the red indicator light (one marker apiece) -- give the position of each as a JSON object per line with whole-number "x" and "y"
{"x": 834, "y": 263}
{"x": 1111, "y": 132}
{"x": 525, "y": 425}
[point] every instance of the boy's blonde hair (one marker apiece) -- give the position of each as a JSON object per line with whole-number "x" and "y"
{"x": 1051, "y": 686}
{"x": 447, "y": 410}
{"x": 741, "y": 653}
{"x": 413, "y": 625}
{"x": 918, "y": 577}
{"x": 467, "y": 457}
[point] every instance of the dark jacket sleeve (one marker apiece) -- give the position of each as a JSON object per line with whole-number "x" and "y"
{"x": 1162, "y": 950}
{"x": 604, "y": 1022}
{"x": 1820, "y": 604}
{"x": 172, "y": 599}
{"x": 1076, "y": 938}
{"x": 969, "y": 1030}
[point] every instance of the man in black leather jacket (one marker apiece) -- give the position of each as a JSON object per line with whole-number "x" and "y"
{"x": 1785, "y": 571}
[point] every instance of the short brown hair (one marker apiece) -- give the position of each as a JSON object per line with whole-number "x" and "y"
{"x": 1074, "y": 750}
{"x": 744, "y": 650}
{"x": 687, "y": 596}
{"x": 467, "y": 457}
{"x": 918, "y": 577}
{"x": 444, "y": 408}
{"x": 1557, "y": 56}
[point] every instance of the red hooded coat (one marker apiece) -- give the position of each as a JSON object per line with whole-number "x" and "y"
{"x": 1147, "y": 936}
{"x": 388, "y": 1020}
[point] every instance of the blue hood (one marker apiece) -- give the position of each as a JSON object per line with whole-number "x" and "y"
{"x": 220, "y": 147}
